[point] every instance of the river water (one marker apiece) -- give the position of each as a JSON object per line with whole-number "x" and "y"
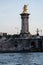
{"x": 21, "y": 59}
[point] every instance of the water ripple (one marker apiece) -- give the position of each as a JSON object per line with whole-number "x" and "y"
{"x": 21, "y": 59}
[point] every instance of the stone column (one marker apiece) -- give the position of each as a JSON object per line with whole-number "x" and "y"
{"x": 25, "y": 22}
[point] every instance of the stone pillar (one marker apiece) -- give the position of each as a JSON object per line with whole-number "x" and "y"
{"x": 25, "y": 22}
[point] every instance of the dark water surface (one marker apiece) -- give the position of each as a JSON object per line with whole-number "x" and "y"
{"x": 21, "y": 59}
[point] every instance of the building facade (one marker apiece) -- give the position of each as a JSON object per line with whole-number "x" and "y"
{"x": 26, "y": 41}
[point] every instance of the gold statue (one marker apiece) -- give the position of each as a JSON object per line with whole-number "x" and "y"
{"x": 25, "y": 9}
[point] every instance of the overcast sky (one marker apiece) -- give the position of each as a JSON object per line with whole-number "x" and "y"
{"x": 10, "y": 19}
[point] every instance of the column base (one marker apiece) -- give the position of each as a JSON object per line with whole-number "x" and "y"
{"x": 25, "y": 35}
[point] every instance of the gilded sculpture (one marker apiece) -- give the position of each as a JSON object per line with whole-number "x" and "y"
{"x": 25, "y": 9}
